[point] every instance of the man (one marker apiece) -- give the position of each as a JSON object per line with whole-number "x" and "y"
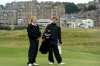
{"x": 34, "y": 35}
{"x": 53, "y": 41}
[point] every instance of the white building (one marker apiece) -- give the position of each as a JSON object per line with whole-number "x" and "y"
{"x": 44, "y": 22}
{"x": 71, "y": 22}
{"x": 87, "y": 23}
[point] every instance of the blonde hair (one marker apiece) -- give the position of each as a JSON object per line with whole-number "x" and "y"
{"x": 32, "y": 18}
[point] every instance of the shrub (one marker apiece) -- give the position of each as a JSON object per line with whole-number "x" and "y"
{"x": 20, "y": 27}
{"x": 5, "y": 27}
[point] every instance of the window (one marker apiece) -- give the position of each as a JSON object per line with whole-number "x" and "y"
{"x": 35, "y": 10}
{"x": 31, "y": 13}
{"x": 54, "y": 10}
{"x": 14, "y": 3}
{"x": 5, "y": 18}
{"x": 5, "y": 14}
{"x": 55, "y": 6}
{"x": 35, "y": 13}
{"x": 45, "y": 12}
{"x": 51, "y": 13}
{"x": 42, "y": 10}
{"x": 42, "y": 13}
{"x": 54, "y": 13}
{"x": 31, "y": 10}
{"x": 23, "y": 6}
{"x": 51, "y": 9}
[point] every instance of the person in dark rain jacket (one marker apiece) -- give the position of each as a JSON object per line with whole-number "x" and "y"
{"x": 34, "y": 35}
{"x": 54, "y": 41}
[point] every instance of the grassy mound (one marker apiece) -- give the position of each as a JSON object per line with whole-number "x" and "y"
{"x": 81, "y": 47}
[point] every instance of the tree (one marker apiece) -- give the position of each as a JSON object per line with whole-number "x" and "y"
{"x": 85, "y": 9}
{"x": 70, "y": 7}
{"x": 2, "y": 6}
{"x": 91, "y": 7}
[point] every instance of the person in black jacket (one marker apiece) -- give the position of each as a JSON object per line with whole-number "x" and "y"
{"x": 54, "y": 41}
{"x": 34, "y": 35}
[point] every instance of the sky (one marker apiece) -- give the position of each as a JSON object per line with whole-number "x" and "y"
{"x": 75, "y": 1}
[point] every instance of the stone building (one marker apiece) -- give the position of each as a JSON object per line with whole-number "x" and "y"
{"x": 97, "y": 18}
{"x": 95, "y": 2}
{"x": 8, "y": 17}
{"x": 89, "y": 14}
{"x": 21, "y": 8}
{"x": 45, "y": 10}
{"x": 22, "y": 11}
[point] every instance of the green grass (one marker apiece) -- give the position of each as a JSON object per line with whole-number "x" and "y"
{"x": 17, "y": 56}
{"x": 81, "y": 47}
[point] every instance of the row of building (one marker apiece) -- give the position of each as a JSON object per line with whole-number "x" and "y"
{"x": 19, "y": 13}
{"x": 94, "y": 2}
{"x": 87, "y": 19}
{"x": 83, "y": 19}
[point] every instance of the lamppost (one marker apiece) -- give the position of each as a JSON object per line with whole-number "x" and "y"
{"x": 97, "y": 20}
{"x": 38, "y": 10}
{"x": 59, "y": 20}
{"x": 66, "y": 19}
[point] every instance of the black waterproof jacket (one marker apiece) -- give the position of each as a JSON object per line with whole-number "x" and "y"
{"x": 55, "y": 32}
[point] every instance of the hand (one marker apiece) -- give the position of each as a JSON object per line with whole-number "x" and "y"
{"x": 38, "y": 39}
{"x": 59, "y": 44}
{"x": 43, "y": 39}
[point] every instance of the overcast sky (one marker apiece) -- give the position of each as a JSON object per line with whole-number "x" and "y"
{"x": 75, "y": 1}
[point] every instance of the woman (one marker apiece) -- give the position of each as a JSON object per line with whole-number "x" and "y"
{"x": 55, "y": 32}
{"x": 33, "y": 35}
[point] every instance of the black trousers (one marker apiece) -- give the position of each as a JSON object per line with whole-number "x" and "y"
{"x": 54, "y": 48}
{"x": 33, "y": 50}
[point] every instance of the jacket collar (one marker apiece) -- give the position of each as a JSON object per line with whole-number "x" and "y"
{"x": 34, "y": 24}
{"x": 53, "y": 24}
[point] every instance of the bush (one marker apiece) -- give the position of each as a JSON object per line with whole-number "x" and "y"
{"x": 5, "y": 27}
{"x": 20, "y": 28}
